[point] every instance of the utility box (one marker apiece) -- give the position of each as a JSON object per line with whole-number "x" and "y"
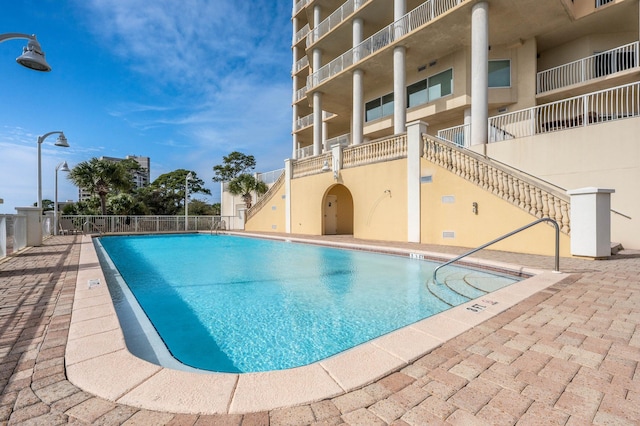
{"x": 34, "y": 224}
{"x": 591, "y": 222}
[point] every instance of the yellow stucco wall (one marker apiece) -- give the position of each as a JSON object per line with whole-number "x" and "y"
{"x": 271, "y": 218}
{"x": 447, "y": 207}
{"x": 379, "y": 209}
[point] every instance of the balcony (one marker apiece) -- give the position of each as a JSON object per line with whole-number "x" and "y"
{"x": 597, "y": 66}
{"x": 335, "y": 19}
{"x": 300, "y": 35}
{"x": 418, "y": 17}
{"x": 300, "y": 64}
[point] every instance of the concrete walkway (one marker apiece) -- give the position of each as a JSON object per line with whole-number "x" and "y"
{"x": 568, "y": 355}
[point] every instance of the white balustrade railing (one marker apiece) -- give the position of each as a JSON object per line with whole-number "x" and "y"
{"x": 524, "y": 191}
{"x": 418, "y": 17}
{"x": 597, "y": 107}
{"x": 91, "y": 224}
{"x": 270, "y": 177}
{"x": 333, "y": 20}
{"x": 298, "y": 6}
{"x": 307, "y": 151}
{"x": 460, "y": 135}
{"x": 302, "y": 33}
{"x": 600, "y": 3}
{"x": 300, "y": 64}
{"x": 303, "y": 122}
{"x": 383, "y": 150}
{"x": 342, "y": 140}
{"x": 300, "y": 94}
{"x": 599, "y": 65}
{"x": 263, "y": 200}
{"x": 311, "y": 165}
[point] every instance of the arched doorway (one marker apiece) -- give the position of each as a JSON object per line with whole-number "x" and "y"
{"x": 337, "y": 211}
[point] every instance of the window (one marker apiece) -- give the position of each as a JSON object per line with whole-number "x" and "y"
{"x": 500, "y": 73}
{"x": 432, "y": 88}
{"x": 379, "y": 108}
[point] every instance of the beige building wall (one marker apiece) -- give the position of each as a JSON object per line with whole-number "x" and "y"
{"x": 271, "y": 217}
{"x": 448, "y": 217}
{"x": 598, "y": 155}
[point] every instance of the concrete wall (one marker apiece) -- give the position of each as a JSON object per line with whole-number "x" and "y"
{"x": 602, "y": 155}
{"x": 271, "y": 217}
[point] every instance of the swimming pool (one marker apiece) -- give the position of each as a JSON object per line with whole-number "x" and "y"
{"x": 236, "y": 304}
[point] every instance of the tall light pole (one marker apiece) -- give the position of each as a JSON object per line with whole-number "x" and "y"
{"x": 65, "y": 168}
{"x": 61, "y": 141}
{"x": 186, "y": 200}
{"x": 32, "y": 55}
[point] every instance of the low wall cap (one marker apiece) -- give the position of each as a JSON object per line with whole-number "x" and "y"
{"x": 590, "y": 190}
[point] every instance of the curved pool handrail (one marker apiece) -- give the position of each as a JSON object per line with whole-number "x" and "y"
{"x": 544, "y": 219}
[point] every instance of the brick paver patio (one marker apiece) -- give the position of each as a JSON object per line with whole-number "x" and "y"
{"x": 568, "y": 356}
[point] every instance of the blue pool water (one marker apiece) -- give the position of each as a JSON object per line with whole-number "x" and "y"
{"x": 236, "y": 304}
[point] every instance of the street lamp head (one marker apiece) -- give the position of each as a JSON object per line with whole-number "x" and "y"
{"x": 63, "y": 167}
{"x": 62, "y": 141}
{"x": 33, "y": 57}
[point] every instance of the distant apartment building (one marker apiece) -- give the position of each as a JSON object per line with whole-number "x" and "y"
{"x": 140, "y": 178}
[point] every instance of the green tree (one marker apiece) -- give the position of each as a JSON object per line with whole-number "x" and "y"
{"x": 101, "y": 177}
{"x": 169, "y": 188}
{"x": 125, "y": 204}
{"x": 216, "y": 207}
{"x": 244, "y": 185}
{"x": 234, "y": 165}
{"x": 200, "y": 208}
{"x": 46, "y": 205}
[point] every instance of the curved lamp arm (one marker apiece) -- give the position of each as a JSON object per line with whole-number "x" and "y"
{"x": 32, "y": 55}
{"x": 61, "y": 141}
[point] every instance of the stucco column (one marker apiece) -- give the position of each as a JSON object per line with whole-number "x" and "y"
{"x": 479, "y": 73}
{"x": 294, "y": 85}
{"x": 399, "y": 76}
{"x": 317, "y": 107}
{"x": 288, "y": 168}
{"x": 415, "y": 129}
{"x": 33, "y": 223}
{"x": 591, "y": 222}
{"x": 399, "y": 90}
{"x": 357, "y": 117}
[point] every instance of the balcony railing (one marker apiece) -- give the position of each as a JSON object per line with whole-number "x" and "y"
{"x": 460, "y": 135}
{"x": 298, "y": 6}
{"x": 299, "y": 94}
{"x": 307, "y": 151}
{"x": 418, "y": 17}
{"x": 599, "y": 65}
{"x": 303, "y": 122}
{"x": 334, "y": 20}
{"x": 597, "y": 107}
{"x": 302, "y": 33}
{"x": 311, "y": 165}
{"x": 343, "y": 140}
{"x": 300, "y": 64}
{"x": 270, "y": 177}
{"x": 383, "y": 150}
{"x": 600, "y": 3}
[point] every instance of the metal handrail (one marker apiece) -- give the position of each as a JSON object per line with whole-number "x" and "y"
{"x": 544, "y": 219}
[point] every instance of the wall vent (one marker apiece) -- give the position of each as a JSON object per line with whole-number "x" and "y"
{"x": 426, "y": 179}
{"x": 448, "y": 199}
{"x": 448, "y": 234}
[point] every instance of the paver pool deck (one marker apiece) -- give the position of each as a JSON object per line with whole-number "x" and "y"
{"x": 567, "y": 354}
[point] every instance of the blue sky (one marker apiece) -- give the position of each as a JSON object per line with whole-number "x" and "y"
{"x": 181, "y": 81}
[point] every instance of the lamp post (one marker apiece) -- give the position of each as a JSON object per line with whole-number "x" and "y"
{"x": 186, "y": 200}
{"x": 61, "y": 141}
{"x": 32, "y": 55}
{"x": 65, "y": 168}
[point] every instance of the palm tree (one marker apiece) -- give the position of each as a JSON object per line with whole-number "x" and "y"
{"x": 244, "y": 185}
{"x": 100, "y": 177}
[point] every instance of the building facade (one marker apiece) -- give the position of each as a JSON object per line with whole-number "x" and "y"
{"x": 545, "y": 90}
{"x": 141, "y": 178}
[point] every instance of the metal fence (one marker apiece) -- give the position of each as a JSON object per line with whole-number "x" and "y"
{"x": 84, "y": 224}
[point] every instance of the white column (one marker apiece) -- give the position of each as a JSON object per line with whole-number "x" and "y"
{"x": 415, "y": 129}
{"x": 357, "y": 117}
{"x": 479, "y": 73}
{"x": 590, "y": 220}
{"x": 399, "y": 91}
{"x": 294, "y": 85}
{"x": 317, "y": 107}
{"x": 399, "y": 76}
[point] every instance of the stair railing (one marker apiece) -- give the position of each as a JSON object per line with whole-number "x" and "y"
{"x": 544, "y": 219}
